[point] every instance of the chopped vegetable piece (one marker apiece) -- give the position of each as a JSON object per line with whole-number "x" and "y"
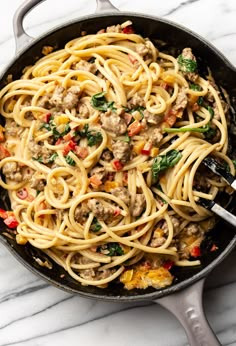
{"x": 147, "y": 149}
{"x": 168, "y": 264}
{"x": 94, "y": 138}
{"x": 202, "y": 129}
{"x": 11, "y": 222}
{"x": 81, "y": 152}
{"x": 200, "y": 100}
{"x": 117, "y": 165}
{"x": 52, "y": 158}
{"x": 211, "y": 111}
{"x": 186, "y": 65}
{"x": 2, "y": 137}
{"x": 195, "y": 87}
{"x": 47, "y": 117}
{"x": 132, "y": 59}
{"x": 39, "y": 159}
{"x": 4, "y": 152}
{"x": 195, "y": 251}
{"x": 3, "y": 214}
{"x": 70, "y": 146}
{"x": 22, "y": 194}
{"x": 95, "y": 181}
{"x": 163, "y": 162}
{"x": 214, "y": 248}
{"x": 128, "y": 30}
{"x": 70, "y": 161}
{"x": 98, "y": 101}
{"x": 95, "y": 226}
{"x": 140, "y": 109}
{"x": 134, "y": 128}
{"x": 234, "y": 162}
{"x": 114, "y": 249}
{"x": 170, "y": 117}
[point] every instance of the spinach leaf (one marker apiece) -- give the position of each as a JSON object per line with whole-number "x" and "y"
{"x": 52, "y": 158}
{"x": 234, "y": 162}
{"x": 163, "y": 162}
{"x": 114, "y": 249}
{"x": 200, "y": 101}
{"x": 186, "y": 65}
{"x": 195, "y": 87}
{"x": 140, "y": 109}
{"x": 98, "y": 101}
{"x": 39, "y": 159}
{"x": 69, "y": 160}
{"x": 95, "y": 226}
{"x": 92, "y": 136}
{"x": 211, "y": 111}
{"x": 51, "y": 126}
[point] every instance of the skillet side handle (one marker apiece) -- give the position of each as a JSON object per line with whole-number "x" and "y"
{"x": 105, "y": 6}
{"x": 187, "y": 307}
{"x": 21, "y": 38}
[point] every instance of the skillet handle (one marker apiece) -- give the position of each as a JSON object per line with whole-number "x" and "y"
{"x": 186, "y": 305}
{"x": 21, "y": 38}
{"x": 105, "y": 6}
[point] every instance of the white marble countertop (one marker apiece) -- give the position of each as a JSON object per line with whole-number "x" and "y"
{"x": 35, "y": 314}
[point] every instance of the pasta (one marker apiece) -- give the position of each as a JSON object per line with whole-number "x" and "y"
{"x": 102, "y": 157}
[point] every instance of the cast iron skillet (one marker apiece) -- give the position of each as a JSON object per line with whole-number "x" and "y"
{"x": 184, "y": 297}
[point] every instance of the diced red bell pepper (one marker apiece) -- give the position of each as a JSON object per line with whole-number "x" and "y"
{"x": 134, "y": 128}
{"x": 214, "y": 248}
{"x": 195, "y": 251}
{"x": 147, "y": 149}
{"x": 170, "y": 117}
{"x": 11, "y": 222}
{"x": 81, "y": 152}
{"x": 132, "y": 59}
{"x": 117, "y": 165}
{"x": 3, "y": 214}
{"x": 4, "y": 152}
{"x": 47, "y": 117}
{"x": 68, "y": 136}
{"x": 70, "y": 146}
{"x": 59, "y": 141}
{"x": 2, "y": 137}
{"x": 117, "y": 211}
{"x": 168, "y": 264}
{"x": 22, "y": 194}
{"x": 128, "y": 30}
{"x": 95, "y": 181}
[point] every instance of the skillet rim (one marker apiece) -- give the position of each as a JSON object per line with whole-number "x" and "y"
{"x": 137, "y": 297}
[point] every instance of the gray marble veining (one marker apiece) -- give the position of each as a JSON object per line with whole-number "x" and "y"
{"x": 35, "y": 314}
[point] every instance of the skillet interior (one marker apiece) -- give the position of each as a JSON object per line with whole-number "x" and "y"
{"x": 224, "y": 74}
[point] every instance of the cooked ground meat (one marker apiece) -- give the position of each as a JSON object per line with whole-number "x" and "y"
{"x": 37, "y": 183}
{"x": 114, "y": 28}
{"x": 153, "y": 134}
{"x": 91, "y": 274}
{"x": 138, "y": 205}
{"x": 201, "y": 183}
{"x": 71, "y": 99}
{"x": 12, "y": 171}
{"x": 192, "y": 228}
{"x": 57, "y": 97}
{"x": 40, "y": 151}
{"x": 12, "y": 129}
{"x": 153, "y": 119}
{"x": 100, "y": 172}
{"x": 187, "y": 54}
{"x": 113, "y": 123}
{"x": 164, "y": 227}
{"x": 144, "y": 49}
{"x": 83, "y": 65}
{"x": 181, "y": 100}
{"x": 107, "y": 155}
{"x": 99, "y": 210}
{"x": 44, "y": 102}
{"x": 83, "y": 110}
{"x": 122, "y": 193}
{"x": 81, "y": 213}
{"x": 156, "y": 242}
{"x": 135, "y": 101}
{"x": 121, "y": 151}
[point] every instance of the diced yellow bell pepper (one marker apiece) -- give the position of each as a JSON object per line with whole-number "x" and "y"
{"x": 61, "y": 119}
{"x": 20, "y": 239}
{"x": 138, "y": 147}
{"x": 169, "y": 79}
{"x": 154, "y": 152}
{"x": 109, "y": 185}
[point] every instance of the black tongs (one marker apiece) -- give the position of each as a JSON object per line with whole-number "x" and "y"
{"x": 218, "y": 169}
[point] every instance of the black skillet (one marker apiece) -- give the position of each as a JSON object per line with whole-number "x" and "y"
{"x": 184, "y": 297}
